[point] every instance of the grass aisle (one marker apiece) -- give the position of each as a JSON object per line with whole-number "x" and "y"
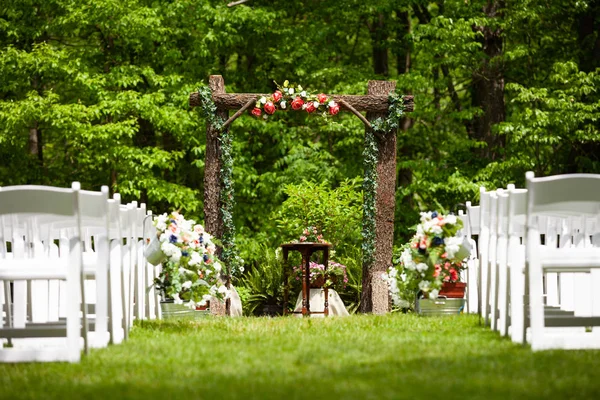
{"x": 359, "y": 357}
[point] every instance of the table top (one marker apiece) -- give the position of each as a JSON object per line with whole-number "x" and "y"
{"x": 306, "y": 245}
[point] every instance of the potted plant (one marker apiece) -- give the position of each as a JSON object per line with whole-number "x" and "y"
{"x": 334, "y": 277}
{"x": 191, "y": 273}
{"x": 429, "y": 266}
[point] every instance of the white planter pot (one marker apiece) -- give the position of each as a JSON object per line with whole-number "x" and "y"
{"x": 153, "y": 252}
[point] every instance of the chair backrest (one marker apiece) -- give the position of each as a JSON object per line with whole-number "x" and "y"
{"x": 474, "y": 216}
{"x": 563, "y": 195}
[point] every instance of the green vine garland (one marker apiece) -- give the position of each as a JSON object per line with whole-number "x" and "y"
{"x": 209, "y": 110}
{"x": 370, "y": 154}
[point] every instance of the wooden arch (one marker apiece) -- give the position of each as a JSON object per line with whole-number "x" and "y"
{"x": 375, "y": 103}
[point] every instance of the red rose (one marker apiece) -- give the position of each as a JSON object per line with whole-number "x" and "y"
{"x": 310, "y": 107}
{"x": 334, "y": 108}
{"x": 277, "y": 96}
{"x": 269, "y": 107}
{"x": 256, "y": 112}
{"x": 297, "y": 103}
{"x": 322, "y": 98}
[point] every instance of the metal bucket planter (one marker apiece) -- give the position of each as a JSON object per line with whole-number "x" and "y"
{"x": 153, "y": 252}
{"x": 170, "y": 310}
{"x": 440, "y": 306}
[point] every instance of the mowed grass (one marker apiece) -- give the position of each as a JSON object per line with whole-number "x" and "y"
{"x": 394, "y": 356}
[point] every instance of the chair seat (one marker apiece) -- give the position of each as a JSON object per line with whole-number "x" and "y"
{"x": 33, "y": 269}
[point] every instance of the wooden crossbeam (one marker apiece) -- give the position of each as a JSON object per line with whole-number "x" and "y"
{"x": 373, "y": 103}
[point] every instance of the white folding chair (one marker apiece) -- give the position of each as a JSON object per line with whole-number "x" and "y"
{"x": 565, "y": 197}
{"x": 483, "y": 246}
{"x": 500, "y": 300}
{"x": 490, "y": 263}
{"x": 473, "y": 229}
{"x": 22, "y": 210}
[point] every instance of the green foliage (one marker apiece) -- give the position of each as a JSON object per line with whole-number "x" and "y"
{"x": 334, "y": 212}
{"x": 264, "y": 282}
{"x": 97, "y": 91}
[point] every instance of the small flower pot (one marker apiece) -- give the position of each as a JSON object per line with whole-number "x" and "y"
{"x": 153, "y": 252}
{"x": 318, "y": 282}
{"x": 453, "y": 290}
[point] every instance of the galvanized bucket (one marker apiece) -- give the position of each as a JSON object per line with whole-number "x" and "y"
{"x": 170, "y": 310}
{"x": 440, "y": 306}
{"x": 153, "y": 253}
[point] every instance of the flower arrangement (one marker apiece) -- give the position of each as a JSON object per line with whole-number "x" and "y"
{"x": 311, "y": 235}
{"x": 191, "y": 271}
{"x": 334, "y": 276}
{"x": 435, "y": 254}
{"x": 296, "y": 98}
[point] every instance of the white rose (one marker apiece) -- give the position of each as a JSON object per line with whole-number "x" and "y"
{"x": 291, "y": 91}
{"x": 217, "y": 266}
{"x": 186, "y": 284}
{"x": 176, "y": 299}
{"x": 283, "y": 105}
{"x": 303, "y": 93}
{"x": 451, "y": 219}
{"x": 263, "y": 100}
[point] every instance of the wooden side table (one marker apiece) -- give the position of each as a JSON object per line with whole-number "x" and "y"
{"x": 306, "y": 250}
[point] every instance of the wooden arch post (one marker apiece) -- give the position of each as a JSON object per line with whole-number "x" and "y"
{"x": 375, "y": 103}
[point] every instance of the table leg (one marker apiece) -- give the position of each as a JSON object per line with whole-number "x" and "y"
{"x": 326, "y": 292}
{"x": 285, "y": 281}
{"x": 306, "y": 285}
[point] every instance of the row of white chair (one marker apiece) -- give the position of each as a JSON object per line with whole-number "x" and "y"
{"x": 72, "y": 273}
{"x": 538, "y": 261}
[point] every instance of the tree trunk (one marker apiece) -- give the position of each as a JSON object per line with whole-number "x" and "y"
{"x": 379, "y": 36}
{"x": 374, "y": 290}
{"x": 213, "y": 223}
{"x": 588, "y": 38}
{"x": 488, "y": 88}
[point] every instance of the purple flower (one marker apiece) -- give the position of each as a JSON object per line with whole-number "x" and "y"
{"x": 173, "y": 239}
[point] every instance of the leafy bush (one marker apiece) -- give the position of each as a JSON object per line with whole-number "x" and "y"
{"x": 337, "y": 213}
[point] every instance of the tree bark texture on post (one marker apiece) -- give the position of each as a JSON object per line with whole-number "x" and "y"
{"x": 213, "y": 222}
{"x": 375, "y": 292}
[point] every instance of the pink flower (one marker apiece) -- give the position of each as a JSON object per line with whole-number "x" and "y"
{"x": 277, "y": 96}
{"x": 269, "y": 107}
{"x": 256, "y": 112}
{"x": 322, "y": 98}
{"x": 453, "y": 274}
{"x": 437, "y": 271}
{"x": 445, "y": 255}
{"x": 297, "y": 103}
{"x": 310, "y": 107}
{"x": 303, "y": 238}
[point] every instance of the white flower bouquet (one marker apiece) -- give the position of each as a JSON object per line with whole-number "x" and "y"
{"x": 436, "y": 254}
{"x": 191, "y": 272}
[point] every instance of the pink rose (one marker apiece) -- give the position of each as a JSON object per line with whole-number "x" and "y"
{"x": 256, "y": 112}
{"x": 277, "y": 96}
{"x": 453, "y": 274}
{"x": 334, "y": 108}
{"x": 297, "y": 103}
{"x": 269, "y": 107}
{"x": 310, "y": 107}
{"x": 322, "y": 98}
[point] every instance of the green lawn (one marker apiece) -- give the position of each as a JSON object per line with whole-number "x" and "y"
{"x": 360, "y": 357}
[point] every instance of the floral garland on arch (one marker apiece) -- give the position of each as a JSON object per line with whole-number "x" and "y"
{"x": 297, "y": 98}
